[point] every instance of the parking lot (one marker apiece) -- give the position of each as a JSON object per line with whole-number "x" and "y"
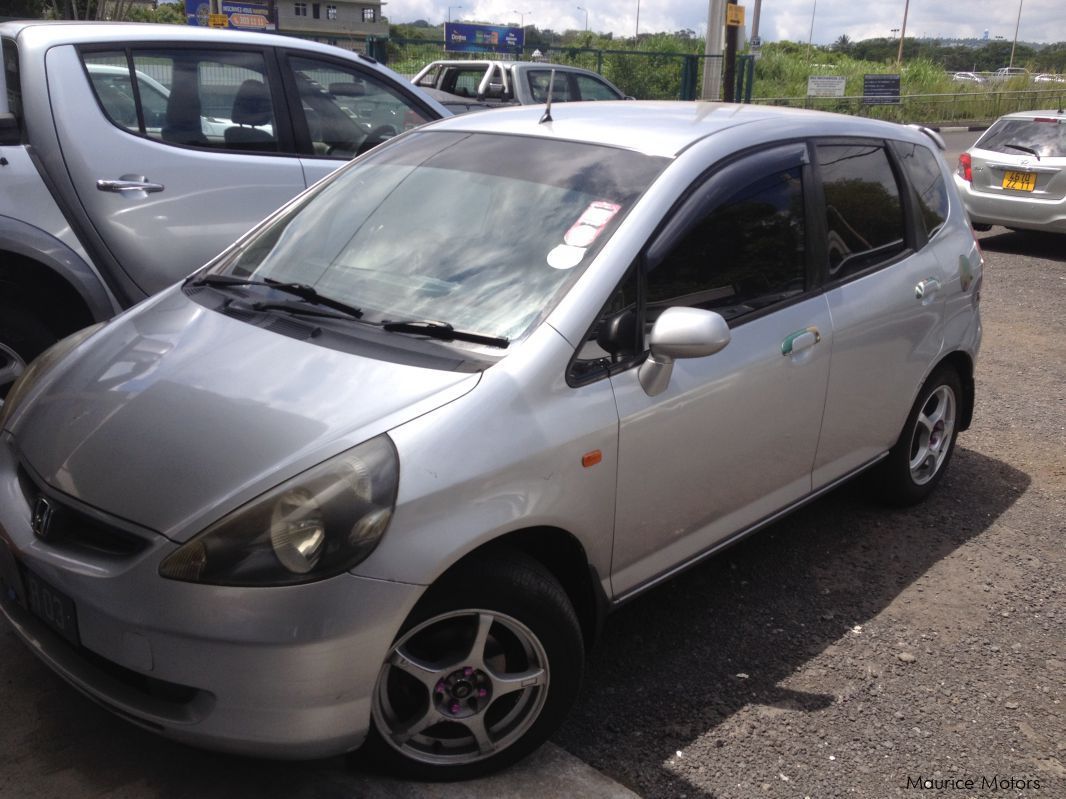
{"x": 845, "y": 651}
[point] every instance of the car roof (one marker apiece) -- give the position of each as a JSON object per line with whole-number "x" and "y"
{"x": 1043, "y": 114}
{"x": 483, "y": 63}
{"x": 666, "y": 128}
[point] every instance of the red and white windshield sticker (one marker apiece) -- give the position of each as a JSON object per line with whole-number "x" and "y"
{"x": 591, "y": 223}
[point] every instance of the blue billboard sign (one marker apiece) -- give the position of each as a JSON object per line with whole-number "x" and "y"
{"x": 242, "y": 16}
{"x": 464, "y": 38}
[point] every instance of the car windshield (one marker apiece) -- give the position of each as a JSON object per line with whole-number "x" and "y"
{"x": 484, "y": 232}
{"x": 1046, "y": 137}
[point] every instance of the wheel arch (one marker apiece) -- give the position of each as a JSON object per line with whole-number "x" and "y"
{"x": 564, "y": 557}
{"x": 962, "y": 363}
{"x": 56, "y": 282}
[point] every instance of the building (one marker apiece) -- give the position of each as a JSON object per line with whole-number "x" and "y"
{"x": 344, "y": 23}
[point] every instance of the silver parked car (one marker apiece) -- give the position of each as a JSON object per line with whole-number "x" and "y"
{"x": 1015, "y": 174}
{"x": 375, "y": 474}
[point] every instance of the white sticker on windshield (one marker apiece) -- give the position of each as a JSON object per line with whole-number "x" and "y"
{"x": 565, "y": 256}
{"x": 591, "y": 223}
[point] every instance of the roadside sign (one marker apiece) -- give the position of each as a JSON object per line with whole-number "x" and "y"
{"x": 880, "y": 89}
{"x": 826, "y": 86}
{"x": 218, "y": 20}
{"x": 466, "y": 38}
{"x": 734, "y": 15}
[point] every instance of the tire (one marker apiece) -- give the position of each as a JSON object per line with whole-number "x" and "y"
{"x": 917, "y": 462}
{"x": 483, "y": 671}
{"x": 22, "y": 338}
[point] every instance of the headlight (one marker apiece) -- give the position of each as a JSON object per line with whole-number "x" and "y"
{"x": 38, "y": 367}
{"x": 318, "y": 524}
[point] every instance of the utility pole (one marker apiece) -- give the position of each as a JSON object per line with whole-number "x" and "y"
{"x": 712, "y": 63}
{"x": 1016, "y": 26}
{"x": 903, "y": 33}
{"x": 729, "y": 79}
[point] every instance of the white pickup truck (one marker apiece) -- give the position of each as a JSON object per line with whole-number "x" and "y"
{"x": 132, "y": 154}
{"x": 515, "y": 82}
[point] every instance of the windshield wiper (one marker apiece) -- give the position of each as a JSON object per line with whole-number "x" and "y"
{"x": 1029, "y": 150}
{"x": 301, "y": 290}
{"x": 443, "y": 331}
{"x": 291, "y": 306}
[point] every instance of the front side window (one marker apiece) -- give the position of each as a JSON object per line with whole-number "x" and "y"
{"x": 747, "y": 254}
{"x": 347, "y": 111}
{"x": 189, "y": 98}
{"x": 484, "y": 232}
{"x": 863, "y": 211}
{"x": 923, "y": 170}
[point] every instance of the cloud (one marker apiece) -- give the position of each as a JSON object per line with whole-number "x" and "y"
{"x": 1041, "y": 20}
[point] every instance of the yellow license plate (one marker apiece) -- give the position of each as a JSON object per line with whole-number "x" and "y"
{"x": 1019, "y": 181}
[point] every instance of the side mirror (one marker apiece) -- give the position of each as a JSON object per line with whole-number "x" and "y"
{"x": 680, "y": 333}
{"x": 494, "y": 91}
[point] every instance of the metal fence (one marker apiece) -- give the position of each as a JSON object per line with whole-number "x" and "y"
{"x": 955, "y": 107}
{"x": 640, "y": 74}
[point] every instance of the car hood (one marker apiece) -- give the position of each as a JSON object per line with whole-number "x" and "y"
{"x": 174, "y": 414}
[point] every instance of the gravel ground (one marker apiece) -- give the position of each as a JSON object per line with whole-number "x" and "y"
{"x": 852, "y": 650}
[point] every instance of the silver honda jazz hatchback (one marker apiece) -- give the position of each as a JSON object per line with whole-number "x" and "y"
{"x": 374, "y": 474}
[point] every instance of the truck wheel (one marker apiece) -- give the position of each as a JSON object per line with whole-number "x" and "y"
{"x": 22, "y": 338}
{"x": 482, "y": 672}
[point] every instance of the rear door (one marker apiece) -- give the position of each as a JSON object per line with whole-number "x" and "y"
{"x": 174, "y": 152}
{"x": 886, "y": 290}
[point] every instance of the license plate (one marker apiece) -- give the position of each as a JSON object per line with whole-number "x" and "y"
{"x": 1019, "y": 181}
{"x": 51, "y": 606}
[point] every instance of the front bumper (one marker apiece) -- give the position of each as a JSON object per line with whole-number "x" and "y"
{"x": 1027, "y": 212}
{"x": 278, "y": 672}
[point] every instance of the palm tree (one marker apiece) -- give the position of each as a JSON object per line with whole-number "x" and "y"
{"x": 843, "y": 44}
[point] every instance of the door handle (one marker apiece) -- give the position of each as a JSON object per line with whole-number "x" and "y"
{"x": 926, "y": 289}
{"x": 800, "y": 340}
{"x": 129, "y": 183}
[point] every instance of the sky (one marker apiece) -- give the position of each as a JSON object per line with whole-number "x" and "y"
{"x": 1041, "y": 20}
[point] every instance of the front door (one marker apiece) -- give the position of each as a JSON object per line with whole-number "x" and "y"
{"x": 733, "y": 438}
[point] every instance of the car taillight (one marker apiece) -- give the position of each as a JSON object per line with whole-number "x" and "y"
{"x": 965, "y": 169}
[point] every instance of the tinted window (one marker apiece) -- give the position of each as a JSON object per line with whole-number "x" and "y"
{"x": 864, "y": 215}
{"x": 538, "y": 85}
{"x": 744, "y": 255}
{"x": 1047, "y": 137}
{"x": 11, "y": 78}
{"x": 348, "y": 111}
{"x": 923, "y": 170}
{"x": 592, "y": 89}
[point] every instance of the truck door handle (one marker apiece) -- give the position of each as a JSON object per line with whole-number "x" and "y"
{"x": 926, "y": 289}
{"x": 129, "y": 183}
{"x": 800, "y": 340}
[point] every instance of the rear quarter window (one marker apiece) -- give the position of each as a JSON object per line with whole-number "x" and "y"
{"x": 924, "y": 173}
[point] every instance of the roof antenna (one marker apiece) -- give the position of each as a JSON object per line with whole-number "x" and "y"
{"x": 548, "y": 108}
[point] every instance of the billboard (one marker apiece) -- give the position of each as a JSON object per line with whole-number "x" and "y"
{"x": 464, "y": 38}
{"x": 242, "y": 16}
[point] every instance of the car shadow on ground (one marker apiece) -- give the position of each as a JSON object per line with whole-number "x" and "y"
{"x": 1051, "y": 246}
{"x": 673, "y": 665}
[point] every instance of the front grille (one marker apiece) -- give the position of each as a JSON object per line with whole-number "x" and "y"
{"x": 72, "y": 528}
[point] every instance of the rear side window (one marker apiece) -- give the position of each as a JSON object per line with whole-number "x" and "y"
{"x": 1045, "y": 137}
{"x": 592, "y": 89}
{"x": 863, "y": 212}
{"x": 923, "y": 171}
{"x": 191, "y": 98}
